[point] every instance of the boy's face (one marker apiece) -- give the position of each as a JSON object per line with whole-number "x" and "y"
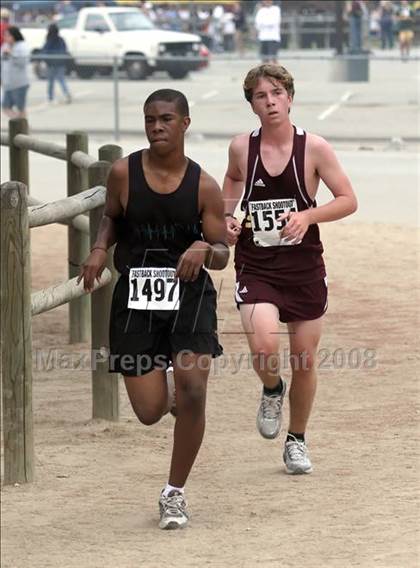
{"x": 270, "y": 101}
{"x": 165, "y": 127}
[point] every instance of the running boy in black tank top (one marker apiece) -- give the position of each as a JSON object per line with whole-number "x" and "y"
{"x": 165, "y": 215}
{"x": 280, "y": 272}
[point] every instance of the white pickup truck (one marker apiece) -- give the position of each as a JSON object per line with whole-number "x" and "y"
{"x": 98, "y": 37}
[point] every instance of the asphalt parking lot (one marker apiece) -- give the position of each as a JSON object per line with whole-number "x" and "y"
{"x": 383, "y": 108}
{"x": 373, "y": 126}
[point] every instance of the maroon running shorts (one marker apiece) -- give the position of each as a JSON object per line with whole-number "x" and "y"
{"x": 295, "y": 303}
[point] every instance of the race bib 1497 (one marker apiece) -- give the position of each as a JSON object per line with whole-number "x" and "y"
{"x": 153, "y": 289}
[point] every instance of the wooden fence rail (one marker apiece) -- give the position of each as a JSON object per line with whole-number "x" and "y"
{"x": 58, "y": 211}
{"x": 40, "y": 146}
{"x": 80, "y": 222}
{"x": 19, "y": 213}
{"x": 54, "y": 296}
{"x": 82, "y": 160}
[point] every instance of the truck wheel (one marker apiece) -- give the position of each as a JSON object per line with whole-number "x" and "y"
{"x": 40, "y": 69}
{"x": 136, "y": 69}
{"x": 85, "y": 72}
{"x": 105, "y": 71}
{"x": 178, "y": 73}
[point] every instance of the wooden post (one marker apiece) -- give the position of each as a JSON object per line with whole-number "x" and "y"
{"x": 105, "y": 400}
{"x": 110, "y": 152}
{"x": 78, "y": 243}
{"x": 16, "y": 353}
{"x": 18, "y": 157}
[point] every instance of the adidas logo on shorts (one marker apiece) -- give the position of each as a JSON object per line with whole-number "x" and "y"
{"x": 259, "y": 183}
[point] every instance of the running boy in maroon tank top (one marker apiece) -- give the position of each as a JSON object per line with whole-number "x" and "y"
{"x": 280, "y": 272}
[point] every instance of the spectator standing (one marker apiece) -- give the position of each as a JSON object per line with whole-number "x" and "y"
{"x": 148, "y": 10}
{"x": 405, "y": 29}
{"x": 387, "y": 25}
{"x": 241, "y": 26}
{"x": 64, "y": 8}
{"x": 184, "y": 15}
{"x": 374, "y": 24}
{"x": 267, "y": 25}
{"x": 14, "y": 73}
{"x": 55, "y": 47}
{"x": 355, "y": 15}
{"x": 217, "y": 17}
{"x": 228, "y": 30}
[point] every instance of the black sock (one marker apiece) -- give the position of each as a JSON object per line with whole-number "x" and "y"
{"x": 278, "y": 389}
{"x": 299, "y": 437}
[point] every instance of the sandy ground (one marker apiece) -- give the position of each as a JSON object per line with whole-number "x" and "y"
{"x": 94, "y": 501}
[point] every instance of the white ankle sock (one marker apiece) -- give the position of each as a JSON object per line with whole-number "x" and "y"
{"x": 170, "y": 488}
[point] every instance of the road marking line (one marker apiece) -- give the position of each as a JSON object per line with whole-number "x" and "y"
{"x": 335, "y": 106}
{"x": 210, "y": 94}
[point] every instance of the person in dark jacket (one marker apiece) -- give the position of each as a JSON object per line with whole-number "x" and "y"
{"x": 387, "y": 25}
{"x": 56, "y": 49}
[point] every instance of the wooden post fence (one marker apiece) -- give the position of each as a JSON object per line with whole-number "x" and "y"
{"x": 19, "y": 213}
{"x": 16, "y": 335}
{"x": 18, "y": 157}
{"x": 78, "y": 243}
{"x": 105, "y": 400}
{"x": 18, "y": 305}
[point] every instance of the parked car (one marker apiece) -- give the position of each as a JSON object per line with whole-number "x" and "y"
{"x": 96, "y": 37}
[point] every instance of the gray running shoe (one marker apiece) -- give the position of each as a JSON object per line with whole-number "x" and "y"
{"x": 270, "y": 413}
{"x": 173, "y": 511}
{"x": 296, "y": 457}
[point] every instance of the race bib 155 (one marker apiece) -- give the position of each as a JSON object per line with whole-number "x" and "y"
{"x": 263, "y": 215}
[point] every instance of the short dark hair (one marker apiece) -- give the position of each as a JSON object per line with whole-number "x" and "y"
{"x": 16, "y": 34}
{"x": 170, "y": 96}
{"x": 53, "y": 31}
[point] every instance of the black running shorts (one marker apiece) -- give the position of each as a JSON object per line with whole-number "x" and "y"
{"x": 143, "y": 340}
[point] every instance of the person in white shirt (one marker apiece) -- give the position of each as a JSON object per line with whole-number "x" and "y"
{"x": 267, "y": 25}
{"x": 217, "y": 17}
{"x": 15, "y": 55}
{"x": 228, "y": 30}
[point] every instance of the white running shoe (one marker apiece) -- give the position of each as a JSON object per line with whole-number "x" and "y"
{"x": 296, "y": 457}
{"x": 171, "y": 390}
{"x": 173, "y": 511}
{"x": 270, "y": 413}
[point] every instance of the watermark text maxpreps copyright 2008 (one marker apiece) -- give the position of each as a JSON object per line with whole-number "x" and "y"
{"x": 356, "y": 358}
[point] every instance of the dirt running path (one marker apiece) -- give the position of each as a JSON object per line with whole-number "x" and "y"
{"x": 94, "y": 501}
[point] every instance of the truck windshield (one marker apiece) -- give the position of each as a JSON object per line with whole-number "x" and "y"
{"x": 126, "y": 21}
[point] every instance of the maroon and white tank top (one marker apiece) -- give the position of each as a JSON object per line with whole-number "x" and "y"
{"x": 260, "y": 251}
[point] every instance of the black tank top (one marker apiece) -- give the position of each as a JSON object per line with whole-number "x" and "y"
{"x": 281, "y": 265}
{"x": 157, "y": 228}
